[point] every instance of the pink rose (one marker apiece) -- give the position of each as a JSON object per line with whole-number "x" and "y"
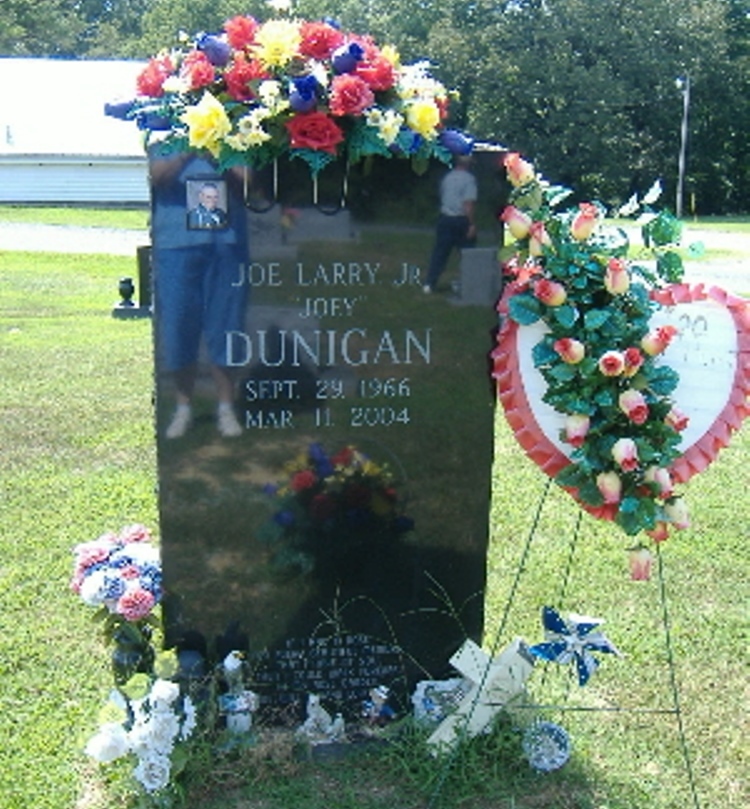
{"x": 570, "y": 350}
{"x": 319, "y": 40}
{"x": 350, "y": 95}
{"x": 610, "y": 486}
{"x": 658, "y": 339}
{"x": 517, "y": 221}
{"x": 239, "y": 75}
{"x": 584, "y": 221}
{"x": 538, "y": 239}
{"x": 612, "y": 363}
{"x": 659, "y": 532}
{"x": 151, "y": 78}
{"x": 641, "y": 561}
{"x": 633, "y": 361}
{"x": 377, "y": 71}
{"x": 240, "y": 31}
{"x": 519, "y": 171}
{"x": 197, "y": 70}
{"x": 616, "y": 277}
{"x": 677, "y": 420}
{"x": 549, "y": 292}
{"x": 661, "y": 478}
{"x": 625, "y": 453}
{"x": 633, "y": 405}
{"x": 676, "y": 512}
{"x": 576, "y": 428}
{"x": 135, "y": 604}
{"x": 135, "y": 533}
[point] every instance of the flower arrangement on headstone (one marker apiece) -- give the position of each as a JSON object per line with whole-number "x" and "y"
{"x": 120, "y": 574}
{"x": 331, "y": 505}
{"x": 307, "y": 89}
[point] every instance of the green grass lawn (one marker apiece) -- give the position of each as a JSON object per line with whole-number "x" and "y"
{"x": 78, "y": 459}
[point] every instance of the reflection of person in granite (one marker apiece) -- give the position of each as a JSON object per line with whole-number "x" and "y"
{"x": 455, "y": 227}
{"x": 195, "y": 293}
{"x": 207, "y": 213}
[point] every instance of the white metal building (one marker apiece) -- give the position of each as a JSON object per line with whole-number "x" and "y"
{"x": 56, "y": 144}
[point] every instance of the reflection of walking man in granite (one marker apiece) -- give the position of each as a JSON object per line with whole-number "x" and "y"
{"x": 207, "y": 213}
{"x": 455, "y": 226}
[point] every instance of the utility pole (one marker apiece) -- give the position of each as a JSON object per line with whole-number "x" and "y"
{"x": 682, "y": 84}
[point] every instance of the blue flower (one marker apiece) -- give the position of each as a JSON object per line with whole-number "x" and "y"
{"x": 345, "y": 58}
{"x": 113, "y": 587}
{"x": 456, "y": 142}
{"x": 284, "y": 518}
{"x": 216, "y": 49}
{"x": 322, "y": 462}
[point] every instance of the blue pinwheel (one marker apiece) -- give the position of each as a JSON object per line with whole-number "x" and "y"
{"x": 571, "y": 640}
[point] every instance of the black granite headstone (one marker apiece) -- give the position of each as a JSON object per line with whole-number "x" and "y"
{"x": 345, "y": 529}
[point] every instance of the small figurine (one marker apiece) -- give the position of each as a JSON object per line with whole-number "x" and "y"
{"x": 238, "y": 704}
{"x": 319, "y": 728}
{"x": 376, "y": 709}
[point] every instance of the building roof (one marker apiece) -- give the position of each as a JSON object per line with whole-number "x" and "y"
{"x": 56, "y": 107}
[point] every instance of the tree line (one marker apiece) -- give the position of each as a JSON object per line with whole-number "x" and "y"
{"x": 593, "y": 91}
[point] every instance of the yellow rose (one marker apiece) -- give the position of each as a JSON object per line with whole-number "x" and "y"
{"x": 207, "y": 124}
{"x": 423, "y": 117}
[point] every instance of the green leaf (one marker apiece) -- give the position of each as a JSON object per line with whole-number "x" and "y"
{"x": 595, "y": 318}
{"x": 566, "y": 315}
{"x": 137, "y": 686}
{"x": 669, "y": 266}
{"x": 317, "y": 160}
{"x": 663, "y": 229}
{"x": 543, "y": 354}
{"x": 524, "y": 309}
{"x": 562, "y": 372}
{"x": 662, "y": 379}
{"x": 572, "y": 476}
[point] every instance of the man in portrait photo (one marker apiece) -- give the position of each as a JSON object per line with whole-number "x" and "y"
{"x": 207, "y": 214}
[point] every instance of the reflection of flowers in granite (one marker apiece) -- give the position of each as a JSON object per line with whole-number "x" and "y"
{"x": 330, "y": 504}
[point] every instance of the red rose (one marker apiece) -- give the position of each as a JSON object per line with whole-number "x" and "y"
{"x": 323, "y": 507}
{"x": 314, "y": 130}
{"x": 378, "y": 72}
{"x": 302, "y": 480}
{"x": 152, "y": 77}
{"x": 240, "y": 31}
{"x": 319, "y": 40}
{"x": 198, "y": 70}
{"x": 239, "y": 76}
{"x": 350, "y": 95}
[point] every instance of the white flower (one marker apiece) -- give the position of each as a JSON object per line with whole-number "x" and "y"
{"x": 142, "y": 553}
{"x": 157, "y": 734}
{"x": 175, "y": 84}
{"x": 653, "y": 193}
{"x": 387, "y": 122}
{"x": 92, "y": 588}
{"x": 152, "y": 772}
{"x": 190, "y": 721}
{"x": 164, "y": 691}
{"x": 109, "y": 743}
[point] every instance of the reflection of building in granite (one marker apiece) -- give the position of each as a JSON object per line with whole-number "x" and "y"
{"x": 278, "y": 232}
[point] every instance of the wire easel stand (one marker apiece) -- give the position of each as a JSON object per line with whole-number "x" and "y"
{"x": 675, "y": 710}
